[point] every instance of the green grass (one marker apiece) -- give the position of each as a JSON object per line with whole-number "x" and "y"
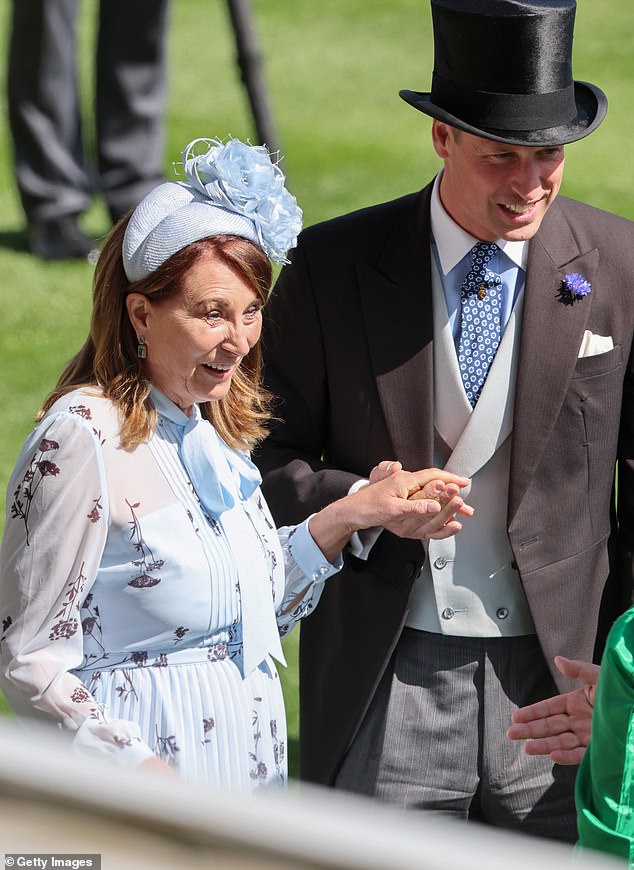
{"x": 333, "y": 71}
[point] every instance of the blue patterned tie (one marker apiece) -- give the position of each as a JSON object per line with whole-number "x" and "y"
{"x": 480, "y": 321}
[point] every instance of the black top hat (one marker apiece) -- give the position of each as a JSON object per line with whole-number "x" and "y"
{"x": 503, "y": 70}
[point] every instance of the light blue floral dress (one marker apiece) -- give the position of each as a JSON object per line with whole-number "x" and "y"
{"x": 120, "y": 597}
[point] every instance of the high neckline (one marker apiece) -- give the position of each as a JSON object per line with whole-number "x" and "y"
{"x": 171, "y": 410}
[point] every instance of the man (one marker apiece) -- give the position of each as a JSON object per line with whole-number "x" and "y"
{"x": 53, "y": 176}
{"x": 393, "y": 333}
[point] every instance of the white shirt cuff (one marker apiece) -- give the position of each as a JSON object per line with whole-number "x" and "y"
{"x": 361, "y": 542}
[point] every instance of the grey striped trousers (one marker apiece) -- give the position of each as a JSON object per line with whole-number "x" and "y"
{"x": 434, "y": 736}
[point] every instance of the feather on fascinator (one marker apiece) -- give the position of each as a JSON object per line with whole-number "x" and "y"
{"x": 231, "y": 188}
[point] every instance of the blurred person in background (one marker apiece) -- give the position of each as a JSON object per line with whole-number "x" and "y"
{"x": 483, "y": 325}
{"x": 53, "y": 171}
{"x": 143, "y": 584}
{"x": 593, "y": 726}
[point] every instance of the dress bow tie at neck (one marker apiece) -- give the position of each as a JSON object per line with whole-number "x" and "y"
{"x": 219, "y": 475}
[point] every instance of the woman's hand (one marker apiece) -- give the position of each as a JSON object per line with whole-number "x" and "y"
{"x": 385, "y": 469}
{"x": 155, "y": 764}
{"x": 442, "y": 487}
{"x": 420, "y": 505}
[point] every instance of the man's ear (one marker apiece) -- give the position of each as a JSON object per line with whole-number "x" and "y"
{"x": 440, "y": 133}
{"x": 138, "y": 307}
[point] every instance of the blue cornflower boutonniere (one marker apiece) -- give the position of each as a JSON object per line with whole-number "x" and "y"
{"x": 573, "y": 287}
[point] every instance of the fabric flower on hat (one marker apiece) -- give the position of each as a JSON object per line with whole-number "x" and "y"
{"x": 573, "y": 287}
{"x": 243, "y": 179}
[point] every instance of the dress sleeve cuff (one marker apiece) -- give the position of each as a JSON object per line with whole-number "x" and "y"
{"x": 309, "y": 558}
{"x": 118, "y": 741}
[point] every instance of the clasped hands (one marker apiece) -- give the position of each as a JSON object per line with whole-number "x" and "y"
{"x": 418, "y": 504}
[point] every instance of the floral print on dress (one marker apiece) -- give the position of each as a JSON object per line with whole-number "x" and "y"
{"x": 85, "y": 413}
{"x": 38, "y": 469}
{"x": 264, "y": 514}
{"x": 258, "y": 771}
{"x": 7, "y": 622}
{"x": 91, "y": 630}
{"x": 95, "y": 514}
{"x": 82, "y": 411}
{"x": 166, "y": 748}
{"x": 126, "y": 689}
{"x": 279, "y": 750}
{"x": 147, "y": 562}
{"x": 68, "y": 624}
{"x": 179, "y": 633}
{"x": 209, "y": 724}
{"x": 217, "y": 652}
{"x": 267, "y": 546}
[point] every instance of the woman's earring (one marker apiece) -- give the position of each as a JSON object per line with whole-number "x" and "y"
{"x": 141, "y": 350}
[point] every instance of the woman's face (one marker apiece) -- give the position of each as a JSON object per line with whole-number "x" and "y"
{"x": 197, "y": 338}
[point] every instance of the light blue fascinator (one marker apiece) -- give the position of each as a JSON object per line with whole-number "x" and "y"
{"x": 231, "y": 188}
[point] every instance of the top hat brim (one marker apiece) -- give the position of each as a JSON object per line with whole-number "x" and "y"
{"x": 591, "y": 103}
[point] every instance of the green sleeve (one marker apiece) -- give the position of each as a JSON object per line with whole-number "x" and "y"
{"x": 605, "y": 783}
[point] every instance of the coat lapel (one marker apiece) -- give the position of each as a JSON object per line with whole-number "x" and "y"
{"x": 550, "y": 342}
{"x": 396, "y": 305}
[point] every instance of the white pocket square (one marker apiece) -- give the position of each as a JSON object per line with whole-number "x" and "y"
{"x": 592, "y": 345}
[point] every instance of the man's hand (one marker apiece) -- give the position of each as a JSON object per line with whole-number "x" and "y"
{"x": 419, "y": 505}
{"x": 437, "y": 490}
{"x": 560, "y": 726}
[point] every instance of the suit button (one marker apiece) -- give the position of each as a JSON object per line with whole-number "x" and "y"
{"x": 502, "y": 612}
{"x": 440, "y": 563}
{"x": 448, "y": 613}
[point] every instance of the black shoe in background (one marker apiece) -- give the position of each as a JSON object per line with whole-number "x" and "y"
{"x": 59, "y": 239}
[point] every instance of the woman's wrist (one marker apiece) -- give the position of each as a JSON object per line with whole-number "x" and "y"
{"x": 332, "y": 527}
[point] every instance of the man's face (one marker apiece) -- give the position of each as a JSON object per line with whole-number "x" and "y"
{"x": 493, "y": 190}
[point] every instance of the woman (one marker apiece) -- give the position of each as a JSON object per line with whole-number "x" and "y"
{"x": 143, "y": 586}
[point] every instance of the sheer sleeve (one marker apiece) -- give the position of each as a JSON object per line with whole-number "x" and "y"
{"x": 306, "y": 571}
{"x": 54, "y": 536}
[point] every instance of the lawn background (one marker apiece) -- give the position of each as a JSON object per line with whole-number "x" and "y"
{"x": 333, "y": 70}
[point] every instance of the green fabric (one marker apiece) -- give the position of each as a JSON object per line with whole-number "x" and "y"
{"x": 605, "y": 783}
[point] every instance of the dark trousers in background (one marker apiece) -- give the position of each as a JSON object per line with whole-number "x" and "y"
{"x": 53, "y": 175}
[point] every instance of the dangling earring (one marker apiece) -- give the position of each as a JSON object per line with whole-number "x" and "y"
{"x": 141, "y": 350}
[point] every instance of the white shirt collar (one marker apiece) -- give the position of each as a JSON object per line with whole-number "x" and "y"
{"x": 453, "y": 243}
